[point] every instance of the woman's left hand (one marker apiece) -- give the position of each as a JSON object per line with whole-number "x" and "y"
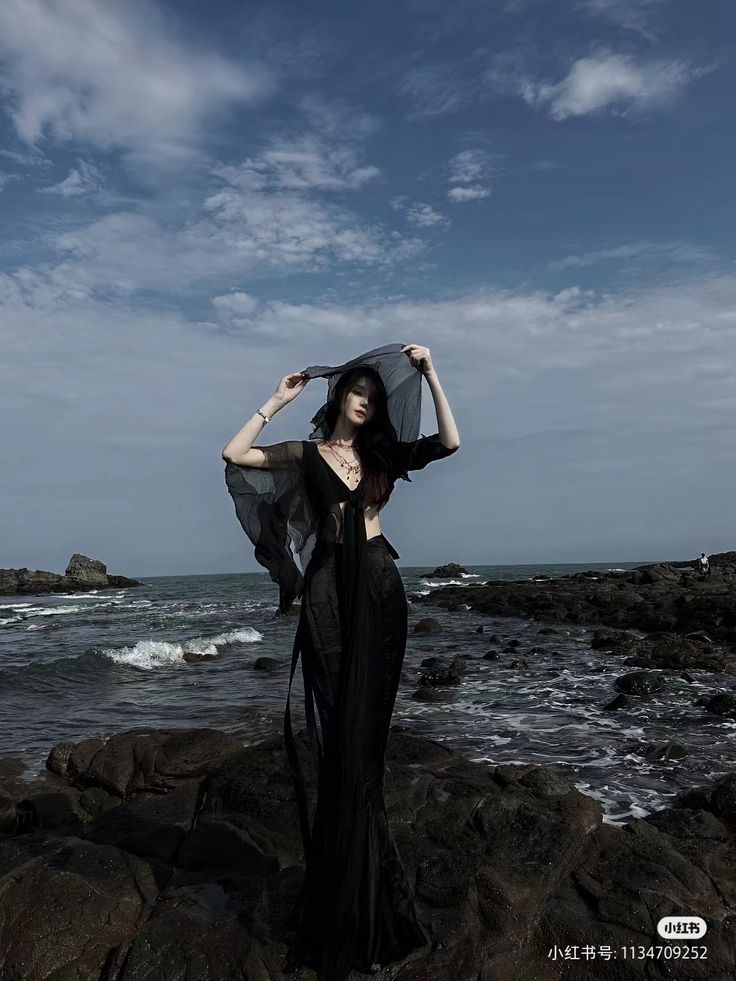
{"x": 419, "y": 357}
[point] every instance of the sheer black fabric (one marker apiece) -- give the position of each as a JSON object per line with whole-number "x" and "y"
{"x": 357, "y": 908}
{"x": 273, "y": 508}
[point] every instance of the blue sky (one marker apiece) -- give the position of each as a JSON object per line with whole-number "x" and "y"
{"x": 196, "y": 201}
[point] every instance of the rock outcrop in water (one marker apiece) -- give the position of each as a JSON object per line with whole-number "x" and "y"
{"x": 81, "y": 574}
{"x": 176, "y": 854}
{"x": 451, "y": 569}
{"x": 665, "y": 597}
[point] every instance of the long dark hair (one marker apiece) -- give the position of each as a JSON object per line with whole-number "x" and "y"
{"x": 375, "y": 440}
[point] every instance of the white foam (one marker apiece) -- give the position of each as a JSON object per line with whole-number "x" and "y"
{"x": 52, "y": 611}
{"x": 150, "y": 654}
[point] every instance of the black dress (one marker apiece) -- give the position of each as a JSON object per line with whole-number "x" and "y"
{"x": 357, "y": 908}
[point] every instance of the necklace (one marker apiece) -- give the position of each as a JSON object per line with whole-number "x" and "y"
{"x": 351, "y": 468}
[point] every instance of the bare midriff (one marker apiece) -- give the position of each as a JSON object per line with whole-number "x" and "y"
{"x": 372, "y": 524}
{"x": 370, "y": 511}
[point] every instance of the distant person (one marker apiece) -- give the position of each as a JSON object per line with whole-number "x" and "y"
{"x": 704, "y": 566}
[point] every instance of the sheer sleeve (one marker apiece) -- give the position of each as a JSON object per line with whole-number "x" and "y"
{"x": 415, "y": 455}
{"x": 273, "y": 508}
{"x": 282, "y": 456}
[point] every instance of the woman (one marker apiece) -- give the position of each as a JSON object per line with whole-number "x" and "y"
{"x": 357, "y": 908}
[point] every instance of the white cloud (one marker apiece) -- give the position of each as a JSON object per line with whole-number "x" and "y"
{"x": 116, "y": 76}
{"x": 85, "y": 179}
{"x": 6, "y": 178}
{"x": 418, "y": 213}
{"x": 244, "y": 233}
{"x": 605, "y": 80}
{"x": 637, "y": 252}
{"x": 613, "y": 337}
{"x": 632, "y": 15}
{"x": 542, "y": 385}
{"x": 469, "y": 176}
{"x": 232, "y": 307}
{"x": 303, "y": 163}
{"x": 471, "y": 193}
{"x": 424, "y": 216}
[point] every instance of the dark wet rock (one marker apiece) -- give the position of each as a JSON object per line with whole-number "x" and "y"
{"x": 451, "y": 569}
{"x": 142, "y": 759}
{"x": 723, "y": 703}
{"x": 660, "y": 597}
{"x": 518, "y": 662}
{"x": 8, "y": 814}
{"x": 699, "y": 635}
{"x": 641, "y": 683}
{"x": 197, "y": 880}
{"x": 194, "y": 657}
{"x": 491, "y": 656}
{"x": 428, "y": 625}
{"x": 82, "y": 573}
{"x": 439, "y": 671}
{"x": 429, "y": 695}
{"x": 617, "y": 702}
{"x": 10, "y": 767}
{"x": 653, "y": 751}
{"x": 270, "y": 664}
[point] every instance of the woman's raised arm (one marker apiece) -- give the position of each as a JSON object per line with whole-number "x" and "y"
{"x": 240, "y": 449}
{"x": 421, "y": 358}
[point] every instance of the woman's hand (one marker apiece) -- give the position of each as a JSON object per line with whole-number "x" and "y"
{"x": 419, "y": 357}
{"x": 290, "y": 386}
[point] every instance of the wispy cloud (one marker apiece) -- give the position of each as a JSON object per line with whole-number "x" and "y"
{"x": 636, "y": 252}
{"x": 302, "y": 163}
{"x": 418, "y": 213}
{"x": 639, "y": 16}
{"x": 437, "y": 89}
{"x": 469, "y": 176}
{"x": 610, "y": 81}
{"x": 115, "y": 76}
{"x": 84, "y": 179}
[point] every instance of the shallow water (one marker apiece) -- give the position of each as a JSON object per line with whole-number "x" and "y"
{"x": 78, "y": 665}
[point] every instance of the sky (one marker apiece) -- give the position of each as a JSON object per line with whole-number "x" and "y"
{"x": 197, "y": 200}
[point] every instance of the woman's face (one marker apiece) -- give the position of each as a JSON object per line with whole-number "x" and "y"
{"x": 359, "y": 402}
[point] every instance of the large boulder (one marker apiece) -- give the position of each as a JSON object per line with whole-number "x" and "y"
{"x": 82, "y": 573}
{"x": 186, "y": 860}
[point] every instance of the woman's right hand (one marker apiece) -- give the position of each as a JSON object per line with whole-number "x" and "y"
{"x": 290, "y": 386}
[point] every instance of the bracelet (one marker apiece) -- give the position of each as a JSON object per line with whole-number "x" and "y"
{"x": 267, "y": 418}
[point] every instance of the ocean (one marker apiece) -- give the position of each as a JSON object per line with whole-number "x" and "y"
{"x": 178, "y": 652}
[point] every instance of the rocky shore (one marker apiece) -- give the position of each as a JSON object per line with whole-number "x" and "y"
{"x": 82, "y": 573}
{"x": 666, "y": 597}
{"x": 163, "y": 854}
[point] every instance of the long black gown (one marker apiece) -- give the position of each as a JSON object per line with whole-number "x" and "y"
{"x": 357, "y": 909}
